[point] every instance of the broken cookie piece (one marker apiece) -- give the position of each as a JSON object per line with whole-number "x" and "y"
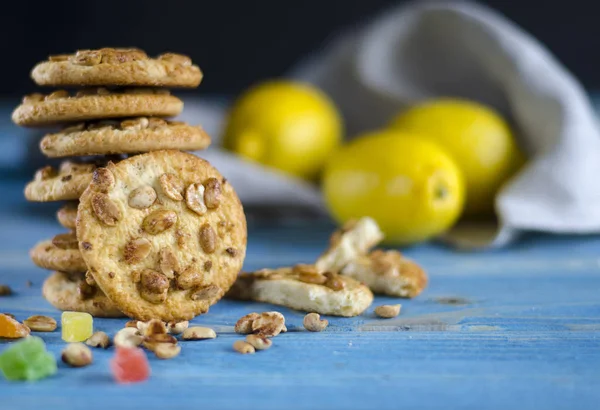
{"x": 353, "y": 240}
{"x": 326, "y": 294}
{"x": 388, "y": 273}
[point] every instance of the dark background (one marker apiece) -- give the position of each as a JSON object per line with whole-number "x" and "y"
{"x": 237, "y": 43}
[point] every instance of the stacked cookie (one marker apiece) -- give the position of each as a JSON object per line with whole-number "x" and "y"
{"x": 138, "y": 213}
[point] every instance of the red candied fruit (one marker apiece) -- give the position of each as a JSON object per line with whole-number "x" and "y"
{"x": 130, "y": 365}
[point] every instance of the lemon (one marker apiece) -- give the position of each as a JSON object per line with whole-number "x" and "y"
{"x": 409, "y": 185}
{"x": 286, "y": 125}
{"x": 478, "y": 139}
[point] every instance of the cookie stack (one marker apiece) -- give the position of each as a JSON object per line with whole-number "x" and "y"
{"x": 167, "y": 224}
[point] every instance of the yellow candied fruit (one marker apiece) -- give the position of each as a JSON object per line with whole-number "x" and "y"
{"x": 76, "y": 326}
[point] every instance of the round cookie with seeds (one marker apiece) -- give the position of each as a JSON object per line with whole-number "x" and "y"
{"x": 117, "y": 66}
{"x": 67, "y": 215}
{"x": 68, "y": 182}
{"x": 59, "y": 253}
{"x": 163, "y": 234}
{"x": 93, "y": 104}
{"x": 70, "y": 292}
{"x": 128, "y": 136}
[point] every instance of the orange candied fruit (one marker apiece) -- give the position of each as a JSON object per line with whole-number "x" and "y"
{"x": 11, "y": 328}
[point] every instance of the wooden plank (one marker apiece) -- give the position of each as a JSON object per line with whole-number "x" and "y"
{"x": 518, "y": 327}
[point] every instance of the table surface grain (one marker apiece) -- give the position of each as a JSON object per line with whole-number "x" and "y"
{"x": 511, "y": 328}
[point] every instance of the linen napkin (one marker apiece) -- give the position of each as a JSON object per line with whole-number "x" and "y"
{"x": 432, "y": 49}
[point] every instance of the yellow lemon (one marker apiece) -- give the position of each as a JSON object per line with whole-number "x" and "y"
{"x": 478, "y": 139}
{"x": 409, "y": 185}
{"x": 286, "y": 125}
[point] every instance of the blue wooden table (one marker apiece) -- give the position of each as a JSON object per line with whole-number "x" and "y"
{"x": 512, "y": 328}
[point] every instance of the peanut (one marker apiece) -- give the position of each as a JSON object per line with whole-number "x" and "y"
{"x": 77, "y": 355}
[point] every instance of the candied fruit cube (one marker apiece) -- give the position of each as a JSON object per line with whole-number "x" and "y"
{"x": 76, "y": 326}
{"x": 27, "y": 360}
{"x": 130, "y": 365}
{"x": 11, "y": 328}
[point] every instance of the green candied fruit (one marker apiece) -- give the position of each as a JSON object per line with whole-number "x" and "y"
{"x": 27, "y": 360}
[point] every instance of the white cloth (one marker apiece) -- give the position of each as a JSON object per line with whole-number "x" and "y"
{"x": 426, "y": 50}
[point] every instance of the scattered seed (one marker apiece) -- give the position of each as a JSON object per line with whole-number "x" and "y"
{"x": 128, "y": 337}
{"x": 176, "y": 328}
{"x": 160, "y": 338}
{"x": 166, "y": 350}
{"x": 388, "y": 311}
{"x": 198, "y": 333}
{"x": 132, "y": 323}
{"x": 152, "y": 327}
{"x": 259, "y": 342}
{"x": 244, "y": 324}
{"x": 243, "y": 347}
{"x": 98, "y": 339}
{"x": 268, "y": 324}
{"x": 313, "y": 323}
{"x": 151, "y": 342}
{"x": 40, "y": 323}
{"x": 5, "y": 290}
{"x": 77, "y": 355}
